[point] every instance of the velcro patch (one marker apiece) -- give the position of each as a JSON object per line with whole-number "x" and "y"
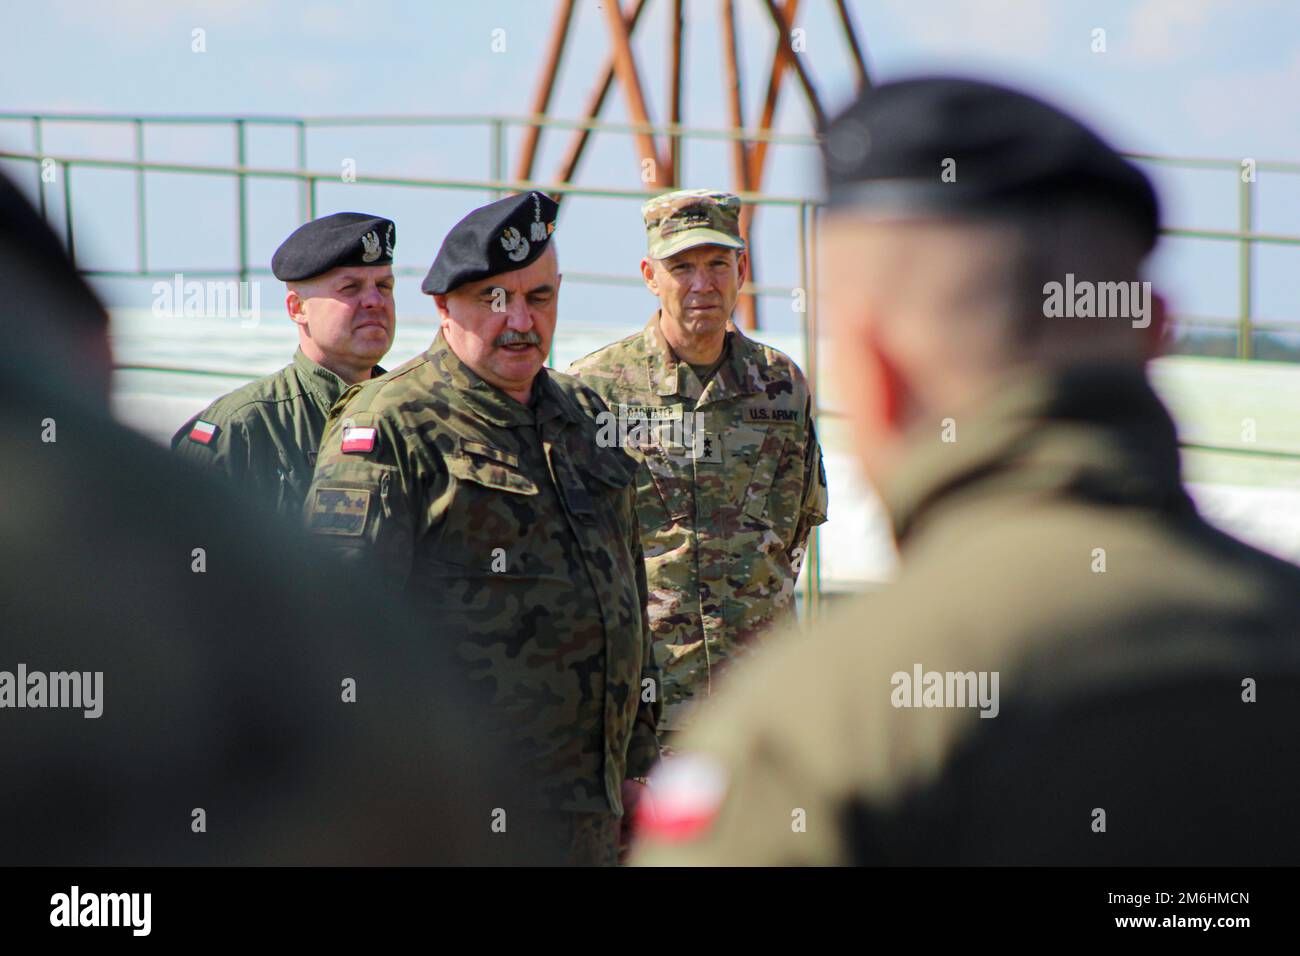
{"x": 339, "y": 511}
{"x": 652, "y": 413}
{"x": 203, "y": 432}
{"x": 359, "y": 440}
{"x": 772, "y": 416}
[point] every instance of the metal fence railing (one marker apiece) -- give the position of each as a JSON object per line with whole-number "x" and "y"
{"x": 497, "y": 129}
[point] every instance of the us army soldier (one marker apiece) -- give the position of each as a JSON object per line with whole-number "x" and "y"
{"x": 1072, "y": 667}
{"x": 730, "y": 482}
{"x": 474, "y": 476}
{"x": 264, "y": 435}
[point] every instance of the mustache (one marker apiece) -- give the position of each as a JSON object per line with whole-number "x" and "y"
{"x": 510, "y": 337}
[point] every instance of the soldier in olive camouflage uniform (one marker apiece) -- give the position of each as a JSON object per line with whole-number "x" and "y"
{"x": 483, "y": 493}
{"x": 264, "y": 435}
{"x": 730, "y": 482}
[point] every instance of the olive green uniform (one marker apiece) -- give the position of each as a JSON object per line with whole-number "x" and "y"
{"x": 228, "y": 659}
{"x": 267, "y": 432}
{"x": 516, "y": 536}
{"x": 1051, "y": 543}
{"x": 725, "y": 508}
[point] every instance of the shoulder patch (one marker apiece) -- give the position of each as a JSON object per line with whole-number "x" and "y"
{"x": 338, "y": 510}
{"x": 757, "y": 414}
{"x": 359, "y": 440}
{"x": 202, "y": 432}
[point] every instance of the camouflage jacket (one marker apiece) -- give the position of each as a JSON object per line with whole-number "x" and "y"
{"x": 726, "y": 496}
{"x": 515, "y": 536}
{"x": 264, "y": 435}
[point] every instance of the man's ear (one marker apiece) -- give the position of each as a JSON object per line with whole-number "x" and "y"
{"x": 296, "y": 307}
{"x": 892, "y": 392}
{"x": 1156, "y": 335}
{"x": 440, "y": 306}
{"x": 742, "y": 266}
{"x": 648, "y": 276}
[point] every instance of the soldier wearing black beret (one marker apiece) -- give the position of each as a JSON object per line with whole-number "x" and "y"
{"x": 1064, "y": 670}
{"x": 339, "y": 273}
{"x": 473, "y": 476}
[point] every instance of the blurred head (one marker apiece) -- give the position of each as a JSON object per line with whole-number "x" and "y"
{"x": 346, "y": 318}
{"x": 697, "y": 288}
{"x": 502, "y": 326}
{"x": 961, "y": 215}
{"x": 929, "y": 316}
{"x": 53, "y": 326}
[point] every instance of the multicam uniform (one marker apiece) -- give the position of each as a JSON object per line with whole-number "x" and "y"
{"x": 515, "y": 536}
{"x": 729, "y": 487}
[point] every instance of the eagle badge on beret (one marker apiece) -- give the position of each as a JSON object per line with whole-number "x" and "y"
{"x": 370, "y": 241}
{"x": 515, "y": 245}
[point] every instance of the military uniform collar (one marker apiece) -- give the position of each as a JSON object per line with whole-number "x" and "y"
{"x": 320, "y": 381}
{"x": 669, "y": 376}
{"x": 489, "y": 402}
{"x": 1099, "y": 433}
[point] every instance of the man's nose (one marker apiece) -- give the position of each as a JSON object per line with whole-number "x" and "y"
{"x": 372, "y": 297}
{"x": 701, "y": 281}
{"x": 518, "y": 316}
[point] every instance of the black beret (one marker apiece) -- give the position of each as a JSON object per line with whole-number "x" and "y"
{"x": 502, "y": 236}
{"x": 343, "y": 239}
{"x": 889, "y": 153}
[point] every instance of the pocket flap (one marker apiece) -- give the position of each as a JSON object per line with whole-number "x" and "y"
{"x": 480, "y": 450}
{"x": 490, "y": 470}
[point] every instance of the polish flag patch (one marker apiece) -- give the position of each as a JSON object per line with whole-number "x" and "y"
{"x": 683, "y": 799}
{"x": 359, "y": 440}
{"x": 203, "y": 432}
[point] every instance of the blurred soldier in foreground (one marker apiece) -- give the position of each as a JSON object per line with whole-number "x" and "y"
{"x": 176, "y": 684}
{"x": 1072, "y": 667}
{"x": 264, "y": 435}
{"x": 472, "y": 475}
{"x": 731, "y": 480}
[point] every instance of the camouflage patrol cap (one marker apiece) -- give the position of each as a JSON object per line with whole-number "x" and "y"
{"x": 691, "y": 217}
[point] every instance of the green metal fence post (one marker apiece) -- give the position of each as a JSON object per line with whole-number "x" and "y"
{"x": 142, "y": 251}
{"x": 811, "y": 570}
{"x": 67, "y": 211}
{"x": 1244, "y": 256}
{"x": 498, "y": 156}
{"x": 38, "y": 149}
{"x": 304, "y": 204}
{"x": 815, "y": 537}
{"x": 241, "y": 152}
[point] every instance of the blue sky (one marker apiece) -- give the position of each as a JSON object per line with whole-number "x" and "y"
{"x": 1190, "y": 77}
